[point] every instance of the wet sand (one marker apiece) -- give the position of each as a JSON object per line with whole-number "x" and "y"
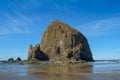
{"x": 71, "y": 76}
{"x": 44, "y": 72}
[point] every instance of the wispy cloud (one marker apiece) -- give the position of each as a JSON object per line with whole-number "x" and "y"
{"x": 20, "y": 15}
{"x": 20, "y": 30}
{"x": 100, "y": 27}
{"x": 14, "y": 30}
{"x": 14, "y": 22}
{"x": 10, "y": 18}
{"x": 13, "y": 25}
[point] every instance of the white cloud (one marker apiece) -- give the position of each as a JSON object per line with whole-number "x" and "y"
{"x": 100, "y": 27}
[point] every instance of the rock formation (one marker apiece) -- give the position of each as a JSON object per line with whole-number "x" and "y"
{"x": 61, "y": 42}
{"x": 18, "y": 59}
{"x": 34, "y": 53}
{"x": 11, "y": 60}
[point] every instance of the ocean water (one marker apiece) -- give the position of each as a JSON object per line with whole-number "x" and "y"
{"x": 100, "y": 70}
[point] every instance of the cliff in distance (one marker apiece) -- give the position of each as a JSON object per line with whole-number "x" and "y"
{"x": 61, "y": 42}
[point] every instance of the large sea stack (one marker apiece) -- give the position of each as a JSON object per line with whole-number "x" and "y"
{"x": 62, "y": 42}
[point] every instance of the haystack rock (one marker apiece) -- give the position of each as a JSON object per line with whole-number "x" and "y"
{"x": 62, "y": 42}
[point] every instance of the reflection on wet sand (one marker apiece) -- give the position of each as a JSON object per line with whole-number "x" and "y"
{"x": 99, "y": 71}
{"x": 70, "y": 73}
{"x": 60, "y": 73}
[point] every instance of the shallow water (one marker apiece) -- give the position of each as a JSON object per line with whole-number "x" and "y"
{"x": 98, "y": 71}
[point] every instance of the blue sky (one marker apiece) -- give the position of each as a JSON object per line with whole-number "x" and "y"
{"x": 22, "y": 22}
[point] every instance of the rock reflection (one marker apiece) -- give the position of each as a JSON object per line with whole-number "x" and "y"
{"x": 46, "y": 72}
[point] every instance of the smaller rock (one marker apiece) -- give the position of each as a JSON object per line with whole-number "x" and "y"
{"x": 11, "y": 60}
{"x": 18, "y": 59}
{"x": 35, "y": 54}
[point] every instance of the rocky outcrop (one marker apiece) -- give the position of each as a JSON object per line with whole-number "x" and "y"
{"x": 35, "y": 53}
{"x": 61, "y": 42}
{"x": 18, "y": 59}
{"x": 11, "y": 60}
